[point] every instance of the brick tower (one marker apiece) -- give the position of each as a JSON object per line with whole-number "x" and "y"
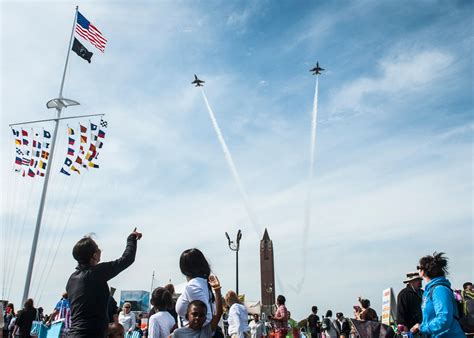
{"x": 267, "y": 274}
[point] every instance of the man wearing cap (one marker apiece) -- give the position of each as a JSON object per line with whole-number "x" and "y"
{"x": 409, "y": 301}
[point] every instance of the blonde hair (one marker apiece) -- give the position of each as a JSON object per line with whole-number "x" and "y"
{"x": 127, "y": 304}
{"x": 231, "y": 298}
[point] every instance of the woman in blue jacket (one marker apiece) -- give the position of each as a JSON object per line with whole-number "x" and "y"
{"x": 440, "y": 315}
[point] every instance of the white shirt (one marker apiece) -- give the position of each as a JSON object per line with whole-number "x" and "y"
{"x": 197, "y": 289}
{"x": 127, "y": 320}
{"x": 238, "y": 320}
{"x": 256, "y": 329}
{"x": 160, "y": 325}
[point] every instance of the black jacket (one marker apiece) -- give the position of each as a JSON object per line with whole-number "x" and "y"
{"x": 89, "y": 293}
{"x": 25, "y": 320}
{"x": 409, "y": 306}
{"x": 344, "y": 329}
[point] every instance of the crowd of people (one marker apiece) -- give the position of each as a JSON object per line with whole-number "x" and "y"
{"x": 88, "y": 309}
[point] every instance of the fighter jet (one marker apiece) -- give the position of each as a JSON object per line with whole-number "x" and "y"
{"x": 316, "y": 70}
{"x": 197, "y": 82}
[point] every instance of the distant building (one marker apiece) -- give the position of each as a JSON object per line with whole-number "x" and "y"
{"x": 267, "y": 274}
{"x": 138, "y": 299}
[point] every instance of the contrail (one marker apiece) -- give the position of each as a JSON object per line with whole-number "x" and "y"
{"x": 307, "y": 214}
{"x": 314, "y": 122}
{"x": 232, "y": 167}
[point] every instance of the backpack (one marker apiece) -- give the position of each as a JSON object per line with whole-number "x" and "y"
{"x": 326, "y": 324}
{"x": 467, "y": 322}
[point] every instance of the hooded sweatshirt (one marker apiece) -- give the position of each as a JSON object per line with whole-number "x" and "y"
{"x": 440, "y": 317}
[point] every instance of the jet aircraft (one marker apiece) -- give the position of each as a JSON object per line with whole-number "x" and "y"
{"x": 316, "y": 70}
{"x": 197, "y": 82}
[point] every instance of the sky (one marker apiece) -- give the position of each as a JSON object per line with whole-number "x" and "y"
{"x": 392, "y": 179}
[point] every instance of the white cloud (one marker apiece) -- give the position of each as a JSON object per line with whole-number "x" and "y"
{"x": 401, "y": 76}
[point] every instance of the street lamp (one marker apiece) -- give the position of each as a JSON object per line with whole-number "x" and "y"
{"x": 235, "y": 246}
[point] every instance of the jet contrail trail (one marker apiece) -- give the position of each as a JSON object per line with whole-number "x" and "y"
{"x": 314, "y": 122}
{"x": 307, "y": 214}
{"x": 232, "y": 167}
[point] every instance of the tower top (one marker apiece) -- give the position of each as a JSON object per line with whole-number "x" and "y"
{"x": 265, "y": 236}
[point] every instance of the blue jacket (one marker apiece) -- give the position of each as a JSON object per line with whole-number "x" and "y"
{"x": 440, "y": 314}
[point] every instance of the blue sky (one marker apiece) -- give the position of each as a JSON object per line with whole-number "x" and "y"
{"x": 393, "y": 173}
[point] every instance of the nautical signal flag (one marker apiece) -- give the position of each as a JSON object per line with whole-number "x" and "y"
{"x": 82, "y": 51}
{"x": 18, "y": 161}
{"x": 70, "y": 151}
{"x": 83, "y": 139}
{"x": 25, "y": 142}
{"x": 79, "y": 160}
{"x": 42, "y": 165}
{"x": 46, "y": 145}
{"x": 89, "y": 32}
{"x": 46, "y": 134}
{"x": 93, "y": 126}
{"x": 16, "y": 132}
{"x": 24, "y": 133}
{"x": 73, "y": 168}
{"x": 65, "y": 172}
{"x": 101, "y": 133}
{"x": 92, "y": 165}
{"x": 70, "y": 131}
{"x": 83, "y": 129}
{"x": 17, "y": 141}
{"x": 44, "y": 154}
{"x": 68, "y": 161}
{"x": 31, "y": 173}
{"x": 103, "y": 123}
{"x": 71, "y": 141}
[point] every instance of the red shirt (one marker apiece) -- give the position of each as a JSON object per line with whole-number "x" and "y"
{"x": 282, "y": 313}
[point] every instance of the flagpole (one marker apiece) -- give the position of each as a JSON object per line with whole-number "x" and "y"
{"x": 59, "y": 109}
{"x": 67, "y": 57}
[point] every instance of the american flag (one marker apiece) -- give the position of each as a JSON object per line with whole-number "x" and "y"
{"x": 88, "y": 31}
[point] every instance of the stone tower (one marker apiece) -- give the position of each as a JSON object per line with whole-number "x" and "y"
{"x": 267, "y": 274}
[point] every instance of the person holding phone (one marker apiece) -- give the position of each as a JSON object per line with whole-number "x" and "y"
{"x": 194, "y": 265}
{"x": 366, "y": 312}
{"x": 196, "y": 315}
{"x": 87, "y": 286}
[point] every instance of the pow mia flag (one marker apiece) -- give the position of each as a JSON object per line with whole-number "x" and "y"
{"x": 82, "y": 51}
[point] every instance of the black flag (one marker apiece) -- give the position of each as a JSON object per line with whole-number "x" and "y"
{"x": 81, "y": 50}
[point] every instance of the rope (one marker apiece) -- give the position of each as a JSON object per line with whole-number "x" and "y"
{"x": 61, "y": 238}
{"x": 32, "y": 184}
{"x": 52, "y": 238}
{"x": 48, "y": 220}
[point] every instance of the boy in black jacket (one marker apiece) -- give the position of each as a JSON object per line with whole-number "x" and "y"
{"x": 87, "y": 287}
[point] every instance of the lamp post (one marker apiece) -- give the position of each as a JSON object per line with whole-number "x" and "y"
{"x": 235, "y": 246}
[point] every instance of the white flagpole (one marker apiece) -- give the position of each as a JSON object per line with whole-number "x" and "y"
{"x": 48, "y": 170}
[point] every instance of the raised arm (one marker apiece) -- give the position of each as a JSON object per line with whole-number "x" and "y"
{"x": 109, "y": 270}
{"x": 216, "y": 286}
